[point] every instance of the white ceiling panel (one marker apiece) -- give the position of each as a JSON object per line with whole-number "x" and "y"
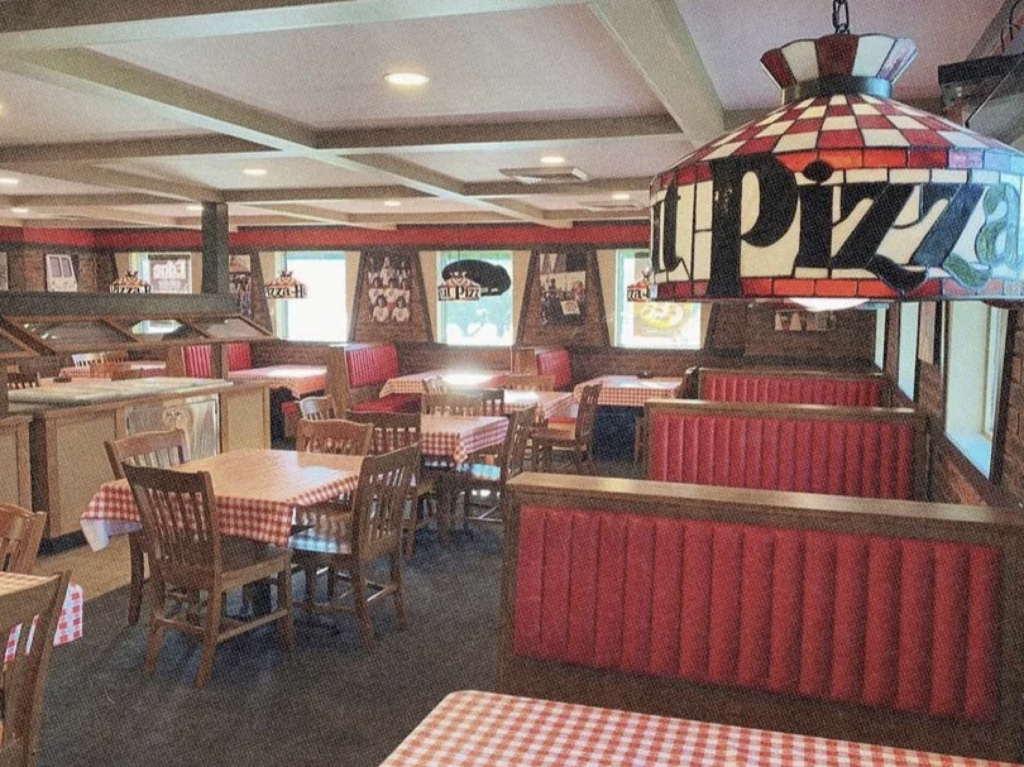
{"x": 34, "y": 112}
{"x": 557, "y": 62}
{"x": 409, "y": 206}
{"x": 731, "y": 36}
{"x": 32, "y": 185}
{"x": 227, "y": 172}
{"x": 611, "y": 158}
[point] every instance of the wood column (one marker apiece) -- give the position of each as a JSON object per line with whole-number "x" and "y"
{"x": 3, "y": 390}
{"x": 215, "y": 248}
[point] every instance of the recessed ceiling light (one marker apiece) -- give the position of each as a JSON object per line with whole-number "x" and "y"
{"x": 552, "y": 159}
{"x": 621, "y": 196}
{"x": 255, "y": 171}
{"x": 194, "y": 208}
{"x": 406, "y": 79}
{"x": 9, "y": 181}
{"x": 19, "y": 210}
{"x": 392, "y": 203}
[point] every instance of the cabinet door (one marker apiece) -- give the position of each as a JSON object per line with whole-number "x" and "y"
{"x": 198, "y": 417}
{"x": 15, "y": 484}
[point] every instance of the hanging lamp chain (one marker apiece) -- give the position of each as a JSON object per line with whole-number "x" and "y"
{"x": 841, "y": 17}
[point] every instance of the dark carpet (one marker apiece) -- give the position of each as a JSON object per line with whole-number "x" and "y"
{"x": 328, "y": 703}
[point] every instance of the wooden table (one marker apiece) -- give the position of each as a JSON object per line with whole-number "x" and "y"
{"x": 548, "y": 403}
{"x": 456, "y": 438}
{"x": 481, "y": 729}
{"x": 632, "y": 391}
{"x": 257, "y": 492}
{"x": 69, "y": 626}
{"x": 300, "y": 380}
{"x": 413, "y": 384}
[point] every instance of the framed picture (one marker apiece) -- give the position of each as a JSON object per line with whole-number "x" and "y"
{"x": 563, "y": 294}
{"x": 4, "y": 282}
{"x": 60, "y": 274}
{"x": 170, "y": 272}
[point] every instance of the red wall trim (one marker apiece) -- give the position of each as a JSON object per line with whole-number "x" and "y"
{"x": 72, "y": 238}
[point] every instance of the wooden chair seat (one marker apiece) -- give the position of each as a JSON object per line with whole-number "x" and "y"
{"x": 576, "y": 441}
{"x": 331, "y": 534}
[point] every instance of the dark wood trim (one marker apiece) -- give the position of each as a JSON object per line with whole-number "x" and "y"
{"x": 215, "y": 249}
{"x": 995, "y": 472}
{"x": 756, "y": 708}
{"x": 109, "y": 304}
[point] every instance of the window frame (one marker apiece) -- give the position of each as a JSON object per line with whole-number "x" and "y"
{"x": 445, "y": 257}
{"x": 283, "y": 307}
{"x": 622, "y": 306}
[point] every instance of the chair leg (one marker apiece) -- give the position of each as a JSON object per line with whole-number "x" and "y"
{"x": 410, "y": 526}
{"x": 332, "y": 584}
{"x": 399, "y": 594}
{"x": 137, "y": 558}
{"x": 362, "y": 609}
{"x": 211, "y": 631}
{"x": 285, "y": 625}
{"x": 156, "y": 629}
{"x": 309, "y": 571}
{"x": 444, "y": 515}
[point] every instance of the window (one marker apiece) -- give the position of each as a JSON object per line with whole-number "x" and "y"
{"x": 322, "y": 314}
{"x": 650, "y": 325}
{"x": 881, "y": 320}
{"x": 976, "y": 344}
{"x": 487, "y": 322}
{"x": 906, "y": 374}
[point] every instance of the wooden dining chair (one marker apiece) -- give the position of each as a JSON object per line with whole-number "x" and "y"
{"x": 435, "y": 385}
{"x": 348, "y": 544}
{"x": 22, "y": 381}
{"x": 529, "y": 382}
{"x": 488, "y": 480}
{"x": 317, "y": 408}
{"x": 156, "y": 449}
{"x": 188, "y": 555}
{"x": 21, "y": 532}
{"x": 394, "y": 431}
{"x": 333, "y": 435}
{"x": 576, "y": 442}
{"x": 452, "y": 403}
{"x": 24, "y": 675}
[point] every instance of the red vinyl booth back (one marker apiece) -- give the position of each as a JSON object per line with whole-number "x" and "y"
{"x": 239, "y": 356}
{"x": 794, "y": 390}
{"x": 555, "y": 362}
{"x": 199, "y": 359}
{"x": 371, "y": 365}
{"x": 910, "y": 625}
{"x": 863, "y": 459}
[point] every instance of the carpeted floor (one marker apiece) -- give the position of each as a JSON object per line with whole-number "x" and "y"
{"x": 329, "y": 703}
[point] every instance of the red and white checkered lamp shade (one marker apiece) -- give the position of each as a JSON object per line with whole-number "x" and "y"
{"x": 841, "y": 193}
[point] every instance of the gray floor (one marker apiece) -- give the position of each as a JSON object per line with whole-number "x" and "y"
{"x": 330, "y": 703}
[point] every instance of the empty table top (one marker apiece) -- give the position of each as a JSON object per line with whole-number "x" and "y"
{"x": 632, "y": 391}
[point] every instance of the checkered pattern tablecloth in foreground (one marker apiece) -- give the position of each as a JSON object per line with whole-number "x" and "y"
{"x": 300, "y": 380}
{"x": 458, "y": 437}
{"x": 481, "y": 729}
{"x": 112, "y": 511}
{"x": 631, "y": 391}
{"x": 549, "y": 403}
{"x": 69, "y": 627}
{"x": 413, "y": 384}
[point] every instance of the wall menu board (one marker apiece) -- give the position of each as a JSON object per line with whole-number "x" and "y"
{"x": 563, "y": 305}
{"x": 390, "y": 304}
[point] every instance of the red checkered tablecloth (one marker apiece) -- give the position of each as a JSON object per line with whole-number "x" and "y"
{"x": 413, "y": 384}
{"x": 458, "y": 437}
{"x": 482, "y": 729}
{"x": 632, "y": 391}
{"x": 69, "y": 627}
{"x": 300, "y": 380}
{"x": 549, "y": 403}
{"x": 112, "y": 510}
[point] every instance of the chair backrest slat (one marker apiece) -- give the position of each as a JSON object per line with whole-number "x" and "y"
{"x": 391, "y": 431}
{"x": 379, "y": 503}
{"x": 22, "y": 381}
{"x": 463, "y": 403}
{"x": 20, "y": 534}
{"x": 586, "y": 414}
{"x": 529, "y": 382}
{"x": 155, "y": 449}
{"x": 317, "y": 408}
{"x": 517, "y": 437}
{"x": 333, "y": 435}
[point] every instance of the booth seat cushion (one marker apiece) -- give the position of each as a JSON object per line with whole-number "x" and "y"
{"x": 555, "y": 362}
{"x": 198, "y": 361}
{"x": 393, "y": 403}
{"x": 371, "y": 365}
{"x": 910, "y": 625}
{"x": 239, "y": 356}
{"x": 812, "y": 390}
{"x": 862, "y": 459}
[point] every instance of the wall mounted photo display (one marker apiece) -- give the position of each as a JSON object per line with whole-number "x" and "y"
{"x": 170, "y": 272}
{"x": 563, "y": 294}
{"x": 240, "y": 281}
{"x": 389, "y": 288}
{"x": 60, "y": 274}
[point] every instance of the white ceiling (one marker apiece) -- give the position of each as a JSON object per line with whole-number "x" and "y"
{"x": 129, "y": 117}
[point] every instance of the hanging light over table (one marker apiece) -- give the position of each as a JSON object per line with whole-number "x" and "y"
{"x": 285, "y": 286}
{"x": 841, "y": 193}
{"x": 130, "y": 282}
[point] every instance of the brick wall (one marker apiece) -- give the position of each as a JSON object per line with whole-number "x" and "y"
{"x": 27, "y": 269}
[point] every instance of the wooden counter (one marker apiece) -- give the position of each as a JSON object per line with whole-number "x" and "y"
{"x": 15, "y": 475}
{"x": 68, "y": 459}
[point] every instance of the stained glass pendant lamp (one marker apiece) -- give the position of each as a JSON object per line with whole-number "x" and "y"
{"x": 841, "y": 193}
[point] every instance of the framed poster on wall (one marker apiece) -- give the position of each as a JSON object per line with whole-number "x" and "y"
{"x": 563, "y": 296}
{"x": 240, "y": 280}
{"x": 60, "y": 274}
{"x": 170, "y": 272}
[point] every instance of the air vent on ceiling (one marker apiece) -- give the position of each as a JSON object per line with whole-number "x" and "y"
{"x": 545, "y": 175}
{"x": 612, "y": 206}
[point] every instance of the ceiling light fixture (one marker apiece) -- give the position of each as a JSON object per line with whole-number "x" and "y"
{"x": 621, "y": 196}
{"x": 194, "y": 208}
{"x": 255, "y": 171}
{"x": 552, "y": 159}
{"x": 406, "y": 79}
{"x": 19, "y": 210}
{"x": 9, "y": 181}
{"x": 841, "y": 192}
{"x": 829, "y": 304}
{"x": 392, "y": 204}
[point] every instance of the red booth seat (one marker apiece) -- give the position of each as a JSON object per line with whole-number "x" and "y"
{"x": 239, "y": 356}
{"x": 909, "y": 625}
{"x": 370, "y": 366}
{"x": 816, "y": 390}
{"x": 555, "y": 362}
{"x": 871, "y": 459}
{"x": 199, "y": 359}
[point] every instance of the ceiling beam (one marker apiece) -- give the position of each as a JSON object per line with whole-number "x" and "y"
{"x": 313, "y": 213}
{"x": 103, "y": 151}
{"x": 85, "y": 174}
{"x": 379, "y": 192}
{"x": 656, "y": 40}
{"x": 113, "y": 214}
{"x": 498, "y": 189}
{"x": 43, "y": 24}
{"x": 86, "y": 200}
